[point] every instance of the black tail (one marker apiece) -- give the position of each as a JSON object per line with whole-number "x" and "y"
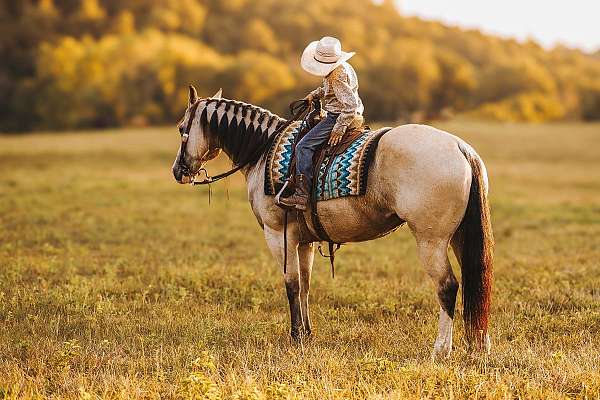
{"x": 477, "y": 244}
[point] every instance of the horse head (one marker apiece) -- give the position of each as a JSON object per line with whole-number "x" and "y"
{"x": 197, "y": 146}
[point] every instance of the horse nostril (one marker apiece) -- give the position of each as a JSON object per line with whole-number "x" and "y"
{"x": 181, "y": 130}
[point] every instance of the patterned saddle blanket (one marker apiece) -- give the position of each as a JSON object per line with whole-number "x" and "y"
{"x": 338, "y": 175}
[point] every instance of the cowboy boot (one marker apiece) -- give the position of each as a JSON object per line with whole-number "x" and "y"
{"x": 298, "y": 200}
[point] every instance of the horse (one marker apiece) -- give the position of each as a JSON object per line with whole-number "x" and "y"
{"x": 427, "y": 178}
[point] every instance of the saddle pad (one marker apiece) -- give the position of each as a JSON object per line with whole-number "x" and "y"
{"x": 346, "y": 175}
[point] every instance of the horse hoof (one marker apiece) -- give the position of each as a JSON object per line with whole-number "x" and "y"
{"x": 296, "y": 337}
{"x": 301, "y": 337}
{"x": 483, "y": 346}
{"x": 487, "y": 344}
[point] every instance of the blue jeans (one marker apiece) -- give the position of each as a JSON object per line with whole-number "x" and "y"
{"x": 310, "y": 143}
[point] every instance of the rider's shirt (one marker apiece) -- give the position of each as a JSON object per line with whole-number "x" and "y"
{"x": 339, "y": 92}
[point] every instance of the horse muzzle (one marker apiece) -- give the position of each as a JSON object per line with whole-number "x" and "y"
{"x": 181, "y": 175}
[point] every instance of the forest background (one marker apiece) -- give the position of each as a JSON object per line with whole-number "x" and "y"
{"x": 103, "y": 63}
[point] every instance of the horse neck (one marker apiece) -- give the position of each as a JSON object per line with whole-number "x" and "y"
{"x": 240, "y": 129}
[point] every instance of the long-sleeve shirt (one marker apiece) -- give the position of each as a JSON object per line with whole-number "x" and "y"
{"x": 339, "y": 92}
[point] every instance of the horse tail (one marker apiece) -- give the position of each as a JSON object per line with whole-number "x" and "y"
{"x": 476, "y": 253}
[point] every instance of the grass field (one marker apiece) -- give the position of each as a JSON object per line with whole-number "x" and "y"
{"x": 115, "y": 282}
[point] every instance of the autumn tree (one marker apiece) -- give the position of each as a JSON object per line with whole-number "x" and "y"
{"x": 86, "y": 63}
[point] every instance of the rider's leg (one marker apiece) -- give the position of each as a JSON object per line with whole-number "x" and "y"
{"x": 305, "y": 149}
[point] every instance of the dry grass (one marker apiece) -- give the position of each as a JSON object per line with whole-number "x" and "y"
{"x": 116, "y": 282}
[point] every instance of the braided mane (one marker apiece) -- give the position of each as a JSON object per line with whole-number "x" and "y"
{"x": 240, "y": 128}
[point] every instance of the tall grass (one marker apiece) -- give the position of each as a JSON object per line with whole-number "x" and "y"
{"x": 116, "y": 282}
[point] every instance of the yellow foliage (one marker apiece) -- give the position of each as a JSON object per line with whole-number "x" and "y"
{"x": 258, "y": 36}
{"x": 527, "y": 107}
{"x": 106, "y": 62}
{"x": 91, "y": 10}
{"x": 258, "y": 76}
{"x": 119, "y": 71}
{"x": 125, "y": 23}
{"x": 513, "y": 77}
{"x": 47, "y": 7}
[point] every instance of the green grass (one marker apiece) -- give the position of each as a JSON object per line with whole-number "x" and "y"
{"x": 116, "y": 282}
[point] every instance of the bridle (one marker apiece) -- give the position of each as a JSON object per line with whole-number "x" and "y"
{"x": 299, "y": 110}
{"x": 184, "y": 139}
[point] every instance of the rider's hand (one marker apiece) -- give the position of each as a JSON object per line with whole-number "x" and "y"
{"x": 336, "y": 137}
{"x": 309, "y": 98}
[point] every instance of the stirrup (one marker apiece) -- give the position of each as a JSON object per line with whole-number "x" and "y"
{"x": 280, "y": 195}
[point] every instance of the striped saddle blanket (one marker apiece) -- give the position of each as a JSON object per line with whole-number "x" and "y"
{"x": 338, "y": 175}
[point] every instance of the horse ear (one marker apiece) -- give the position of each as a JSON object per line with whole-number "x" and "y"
{"x": 218, "y": 94}
{"x": 193, "y": 95}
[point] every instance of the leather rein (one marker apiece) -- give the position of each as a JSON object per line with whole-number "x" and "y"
{"x": 299, "y": 109}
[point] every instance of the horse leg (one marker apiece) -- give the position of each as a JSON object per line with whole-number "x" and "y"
{"x": 292, "y": 274}
{"x": 306, "y": 255}
{"x": 433, "y": 254}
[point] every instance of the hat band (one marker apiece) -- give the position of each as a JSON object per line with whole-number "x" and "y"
{"x": 325, "y": 62}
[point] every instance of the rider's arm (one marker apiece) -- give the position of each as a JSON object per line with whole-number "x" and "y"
{"x": 346, "y": 98}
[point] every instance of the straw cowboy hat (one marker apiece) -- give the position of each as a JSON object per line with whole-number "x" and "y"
{"x": 323, "y": 56}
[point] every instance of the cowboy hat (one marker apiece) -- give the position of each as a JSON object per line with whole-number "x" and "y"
{"x": 323, "y": 56}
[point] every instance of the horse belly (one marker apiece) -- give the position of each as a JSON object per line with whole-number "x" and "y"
{"x": 350, "y": 219}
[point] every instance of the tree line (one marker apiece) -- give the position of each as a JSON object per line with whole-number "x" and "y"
{"x": 98, "y": 63}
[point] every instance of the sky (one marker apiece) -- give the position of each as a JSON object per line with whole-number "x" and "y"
{"x": 575, "y": 23}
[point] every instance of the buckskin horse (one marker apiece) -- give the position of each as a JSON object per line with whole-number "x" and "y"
{"x": 427, "y": 178}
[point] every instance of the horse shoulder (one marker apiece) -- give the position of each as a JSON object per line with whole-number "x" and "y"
{"x": 264, "y": 208}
